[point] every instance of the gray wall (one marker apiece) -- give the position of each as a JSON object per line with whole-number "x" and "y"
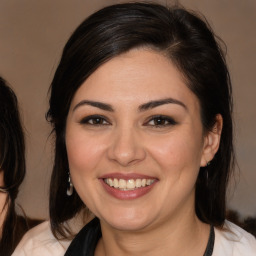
{"x": 32, "y": 35}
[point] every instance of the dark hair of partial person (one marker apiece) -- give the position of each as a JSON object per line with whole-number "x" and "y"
{"x": 12, "y": 164}
{"x": 188, "y": 41}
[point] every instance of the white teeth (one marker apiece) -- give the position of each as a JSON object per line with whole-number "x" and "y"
{"x": 110, "y": 182}
{"x": 149, "y": 182}
{"x": 138, "y": 183}
{"x": 122, "y": 183}
{"x": 115, "y": 183}
{"x": 128, "y": 184}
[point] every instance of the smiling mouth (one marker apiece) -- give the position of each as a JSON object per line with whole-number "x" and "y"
{"x": 131, "y": 184}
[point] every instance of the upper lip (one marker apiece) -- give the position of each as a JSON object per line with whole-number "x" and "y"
{"x": 126, "y": 176}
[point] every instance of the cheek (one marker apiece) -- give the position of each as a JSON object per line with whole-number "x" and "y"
{"x": 84, "y": 153}
{"x": 177, "y": 152}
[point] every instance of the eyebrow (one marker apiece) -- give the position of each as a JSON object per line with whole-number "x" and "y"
{"x": 156, "y": 103}
{"x": 96, "y": 104}
{"x": 143, "y": 107}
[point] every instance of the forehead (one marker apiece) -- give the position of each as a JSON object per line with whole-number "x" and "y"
{"x": 138, "y": 75}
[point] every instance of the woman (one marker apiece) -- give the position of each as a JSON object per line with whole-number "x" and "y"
{"x": 12, "y": 170}
{"x": 141, "y": 108}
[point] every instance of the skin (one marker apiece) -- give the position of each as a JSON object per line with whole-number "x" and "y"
{"x": 128, "y": 140}
{"x": 3, "y": 208}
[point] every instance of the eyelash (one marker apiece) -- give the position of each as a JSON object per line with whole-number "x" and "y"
{"x": 168, "y": 121}
{"x": 95, "y": 120}
{"x": 98, "y": 120}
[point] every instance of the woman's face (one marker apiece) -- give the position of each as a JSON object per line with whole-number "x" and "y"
{"x": 135, "y": 142}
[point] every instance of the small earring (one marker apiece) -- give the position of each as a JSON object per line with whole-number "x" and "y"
{"x": 208, "y": 163}
{"x": 3, "y": 190}
{"x": 70, "y": 186}
{"x": 206, "y": 175}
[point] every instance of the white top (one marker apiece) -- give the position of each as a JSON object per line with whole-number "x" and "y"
{"x": 234, "y": 241}
{"x": 39, "y": 241}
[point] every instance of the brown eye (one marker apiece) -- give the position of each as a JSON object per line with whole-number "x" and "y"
{"x": 160, "y": 121}
{"x": 94, "y": 120}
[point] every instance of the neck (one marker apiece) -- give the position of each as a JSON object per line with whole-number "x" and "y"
{"x": 179, "y": 237}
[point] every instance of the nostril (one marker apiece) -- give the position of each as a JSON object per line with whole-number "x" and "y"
{"x": 126, "y": 156}
{"x": 126, "y": 148}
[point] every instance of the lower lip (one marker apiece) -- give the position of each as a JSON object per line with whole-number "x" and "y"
{"x": 128, "y": 194}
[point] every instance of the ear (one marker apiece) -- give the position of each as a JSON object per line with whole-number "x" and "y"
{"x": 212, "y": 141}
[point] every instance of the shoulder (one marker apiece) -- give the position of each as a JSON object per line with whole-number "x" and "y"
{"x": 234, "y": 241}
{"x": 40, "y": 241}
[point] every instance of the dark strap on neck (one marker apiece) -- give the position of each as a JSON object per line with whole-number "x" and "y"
{"x": 86, "y": 240}
{"x": 84, "y": 244}
{"x": 210, "y": 244}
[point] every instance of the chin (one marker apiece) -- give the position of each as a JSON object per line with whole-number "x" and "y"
{"x": 128, "y": 221}
{"x": 128, "y": 225}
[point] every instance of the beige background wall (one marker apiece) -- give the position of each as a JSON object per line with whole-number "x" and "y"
{"x": 32, "y": 35}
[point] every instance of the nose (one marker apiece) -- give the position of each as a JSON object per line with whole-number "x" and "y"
{"x": 126, "y": 147}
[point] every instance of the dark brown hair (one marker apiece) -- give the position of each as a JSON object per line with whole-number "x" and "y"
{"x": 191, "y": 45}
{"x": 12, "y": 163}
